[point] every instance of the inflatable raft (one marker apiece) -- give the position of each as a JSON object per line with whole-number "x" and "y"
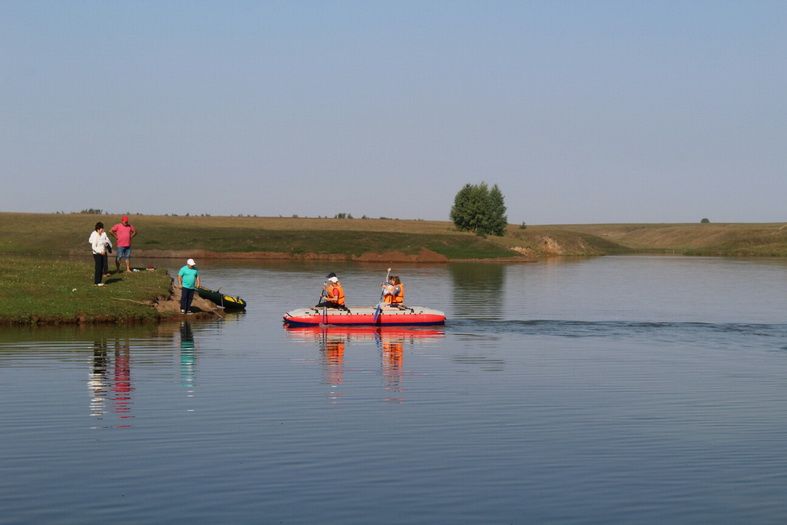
{"x": 365, "y": 315}
{"x": 228, "y": 302}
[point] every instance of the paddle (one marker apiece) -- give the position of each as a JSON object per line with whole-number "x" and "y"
{"x": 379, "y": 309}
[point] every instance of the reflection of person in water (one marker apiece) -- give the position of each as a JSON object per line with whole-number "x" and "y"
{"x": 97, "y": 381}
{"x": 389, "y": 342}
{"x": 333, "y": 353}
{"x": 393, "y": 363}
{"x": 188, "y": 358}
{"x": 122, "y": 387}
{"x": 332, "y": 349}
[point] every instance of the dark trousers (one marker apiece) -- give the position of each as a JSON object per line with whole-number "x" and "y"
{"x": 186, "y": 296}
{"x": 332, "y": 305}
{"x": 98, "y": 259}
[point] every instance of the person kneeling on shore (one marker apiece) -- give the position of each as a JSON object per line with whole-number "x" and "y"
{"x": 189, "y": 281}
{"x": 332, "y": 294}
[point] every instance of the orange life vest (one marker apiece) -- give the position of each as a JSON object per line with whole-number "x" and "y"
{"x": 399, "y": 298}
{"x": 335, "y": 293}
{"x": 390, "y": 298}
{"x": 388, "y": 293}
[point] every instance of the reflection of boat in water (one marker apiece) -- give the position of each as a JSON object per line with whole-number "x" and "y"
{"x": 362, "y": 333}
{"x": 365, "y": 315}
{"x": 390, "y": 341}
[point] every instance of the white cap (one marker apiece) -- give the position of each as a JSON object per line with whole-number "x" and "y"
{"x": 334, "y": 279}
{"x": 191, "y": 262}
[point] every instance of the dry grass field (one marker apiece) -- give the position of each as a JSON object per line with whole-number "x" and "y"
{"x": 722, "y": 239}
{"x": 66, "y": 234}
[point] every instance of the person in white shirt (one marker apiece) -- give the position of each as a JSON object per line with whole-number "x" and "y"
{"x": 99, "y": 242}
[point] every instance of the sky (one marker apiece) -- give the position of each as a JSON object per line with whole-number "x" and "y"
{"x": 581, "y": 112}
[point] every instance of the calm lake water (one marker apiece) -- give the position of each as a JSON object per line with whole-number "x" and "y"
{"x": 608, "y": 390}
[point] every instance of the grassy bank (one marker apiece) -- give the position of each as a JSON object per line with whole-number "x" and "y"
{"x": 52, "y": 291}
{"x": 67, "y": 235}
{"x": 49, "y": 234}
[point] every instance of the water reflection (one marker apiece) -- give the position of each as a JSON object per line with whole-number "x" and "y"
{"x": 391, "y": 342}
{"x": 118, "y": 388}
{"x": 478, "y": 290}
{"x": 393, "y": 366}
{"x": 97, "y": 380}
{"x": 188, "y": 357}
{"x": 122, "y": 387}
{"x": 332, "y": 349}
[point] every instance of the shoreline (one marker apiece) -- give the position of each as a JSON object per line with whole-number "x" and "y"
{"x": 40, "y": 291}
{"x": 165, "y": 308}
{"x": 424, "y": 257}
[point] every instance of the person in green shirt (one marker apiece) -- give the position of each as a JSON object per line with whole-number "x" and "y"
{"x": 188, "y": 280}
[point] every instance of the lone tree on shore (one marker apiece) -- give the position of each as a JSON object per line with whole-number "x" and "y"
{"x": 480, "y": 209}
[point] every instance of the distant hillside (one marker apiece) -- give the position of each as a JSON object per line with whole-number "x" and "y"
{"x": 723, "y": 239}
{"x": 382, "y": 239}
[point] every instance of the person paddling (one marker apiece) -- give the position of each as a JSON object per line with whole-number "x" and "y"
{"x": 393, "y": 291}
{"x": 332, "y": 294}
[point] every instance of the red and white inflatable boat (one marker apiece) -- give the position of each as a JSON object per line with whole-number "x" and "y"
{"x": 365, "y": 315}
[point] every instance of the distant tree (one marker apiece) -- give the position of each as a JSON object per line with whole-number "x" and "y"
{"x": 705, "y": 220}
{"x": 480, "y": 209}
{"x": 497, "y": 212}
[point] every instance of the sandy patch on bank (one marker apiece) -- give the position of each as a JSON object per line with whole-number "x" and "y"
{"x": 170, "y": 306}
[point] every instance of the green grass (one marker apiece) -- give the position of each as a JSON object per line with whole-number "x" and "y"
{"x": 37, "y": 290}
{"x": 68, "y": 234}
{"x": 49, "y": 234}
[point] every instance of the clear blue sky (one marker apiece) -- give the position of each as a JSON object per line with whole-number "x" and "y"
{"x": 626, "y": 111}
